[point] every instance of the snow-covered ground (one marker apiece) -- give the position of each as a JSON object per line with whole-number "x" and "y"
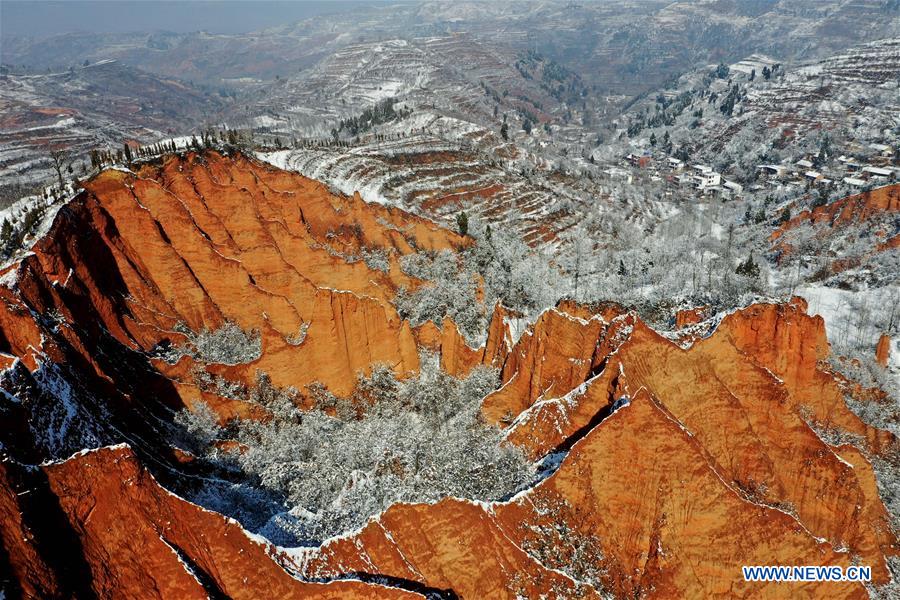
{"x": 15, "y": 214}
{"x": 855, "y": 319}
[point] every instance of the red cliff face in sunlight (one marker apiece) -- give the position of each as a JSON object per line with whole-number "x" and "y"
{"x": 852, "y": 209}
{"x": 666, "y": 465}
{"x": 119, "y": 534}
{"x": 883, "y": 350}
{"x": 201, "y": 241}
{"x": 676, "y": 461}
{"x": 830, "y": 219}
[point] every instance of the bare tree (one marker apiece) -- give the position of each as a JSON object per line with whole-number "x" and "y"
{"x": 61, "y": 160}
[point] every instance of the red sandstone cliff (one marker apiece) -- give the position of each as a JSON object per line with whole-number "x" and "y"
{"x": 116, "y": 533}
{"x": 830, "y": 219}
{"x": 883, "y": 350}
{"x": 856, "y": 208}
{"x": 678, "y": 462}
{"x": 675, "y": 465}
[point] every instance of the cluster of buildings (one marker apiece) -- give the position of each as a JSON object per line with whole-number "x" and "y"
{"x": 702, "y": 178}
{"x": 861, "y": 167}
{"x": 879, "y": 167}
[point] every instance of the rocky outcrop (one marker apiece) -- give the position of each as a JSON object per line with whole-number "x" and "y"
{"x": 198, "y": 241}
{"x": 852, "y": 209}
{"x": 662, "y": 449}
{"x": 113, "y": 532}
{"x": 632, "y": 509}
{"x": 458, "y": 358}
{"x": 551, "y": 358}
{"x": 690, "y": 316}
{"x": 791, "y": 344}
{"x": 883, "y": 350}
{"x": 872, "y": 210}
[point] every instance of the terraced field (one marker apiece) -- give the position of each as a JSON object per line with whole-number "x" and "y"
{"x": 86, "y": 107}
{"x": 438, "y": 179}
{"x": 456, "y": 75}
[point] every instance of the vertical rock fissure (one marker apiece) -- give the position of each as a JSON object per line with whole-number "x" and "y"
{"x": 53, "y": 536}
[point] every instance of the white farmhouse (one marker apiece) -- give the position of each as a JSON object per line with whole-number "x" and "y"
{"x": 733, "y": 187}
{"x": 706, "y": 178}
{"x": 878, "y": 173}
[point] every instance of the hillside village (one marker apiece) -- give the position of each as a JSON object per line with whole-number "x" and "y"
{"x": 756, "y": 129}
{"x": 860, "y": 168}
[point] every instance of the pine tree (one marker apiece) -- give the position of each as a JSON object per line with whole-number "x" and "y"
{"x": 785, "y": 215}
{"x": 6, "y": 232}
{"x": 748, "y": 268}
{"x": 462, "y": 222}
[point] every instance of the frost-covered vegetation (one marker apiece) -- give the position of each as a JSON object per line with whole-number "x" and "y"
{"x": 329, "y": 469}
{"x": 689, "y": 259}
{"x": 499, "y": 264}
{"x": 846, "y": 258}
{"x": 382, "y": 112}
{"x": 375, "y": 258}
{"x": 450, "y": 292}
{"x": 560, "y": 542}
{"x": 228, "y": 345}
{"x": 890, "y": 590}
{"x": 13, "y": 231}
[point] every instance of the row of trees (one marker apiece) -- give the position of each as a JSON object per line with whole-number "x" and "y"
{"x": 382, "y": 112}
{"x": 62, "y": 159}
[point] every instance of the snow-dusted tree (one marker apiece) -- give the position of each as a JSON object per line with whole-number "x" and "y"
{"x": 200, "y": 425}
{"x": 228, "y": 344}
{"x": 449, "y": 291}
{"x": 61, "y": 159}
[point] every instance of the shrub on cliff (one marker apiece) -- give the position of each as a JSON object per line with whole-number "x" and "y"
{"x": 450, "y": 291}
{"x": 200, "y": 426}
{"x": 227, "y": 345}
